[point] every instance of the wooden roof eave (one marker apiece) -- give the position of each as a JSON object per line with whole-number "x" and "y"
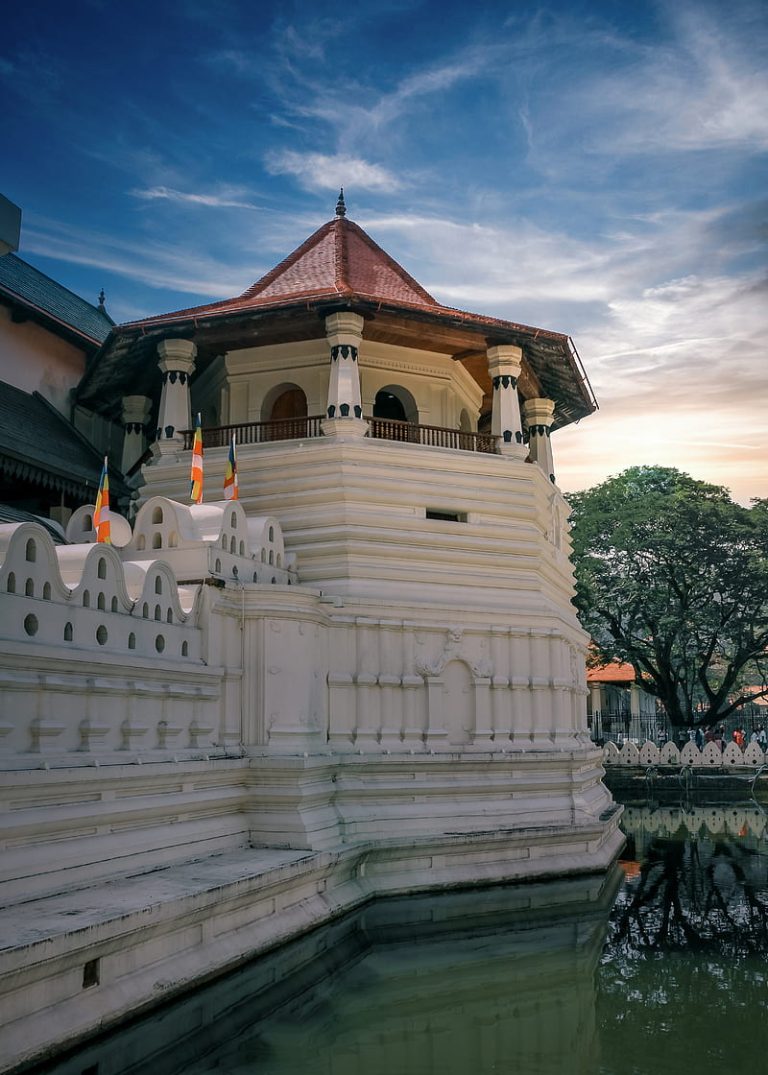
{"x": 123, "y": 358}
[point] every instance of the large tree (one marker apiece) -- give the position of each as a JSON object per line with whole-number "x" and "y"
{"x": 672, "y": 577}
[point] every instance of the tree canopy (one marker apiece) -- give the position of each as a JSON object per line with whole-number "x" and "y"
{"x": 672, "y": 578}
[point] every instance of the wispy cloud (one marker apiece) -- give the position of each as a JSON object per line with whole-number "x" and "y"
{"x": 321, "y": 171}
{"x": 158, "y": 264}
{"x": 229, "y": 198}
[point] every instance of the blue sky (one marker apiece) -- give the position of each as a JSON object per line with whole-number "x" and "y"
{"x": 594, "y": 168}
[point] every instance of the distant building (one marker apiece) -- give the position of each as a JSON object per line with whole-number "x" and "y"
{"x": 49, "y": 465}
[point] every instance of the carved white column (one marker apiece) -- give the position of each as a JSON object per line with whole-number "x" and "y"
{"x": 504, "y": 363}
{"x": 135, "y": 417}
{"x": 538, "y": 415}
{"x": 344, "y": 331}
{"x": 177, "y": 364}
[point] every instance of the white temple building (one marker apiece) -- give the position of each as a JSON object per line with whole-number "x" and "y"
{"x": 365, "y": 676}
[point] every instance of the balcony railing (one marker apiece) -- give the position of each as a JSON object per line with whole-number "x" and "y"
{"x": 258, "y": 432}
{"x": 434, "y": 436}
{"x": 379, "y": 428}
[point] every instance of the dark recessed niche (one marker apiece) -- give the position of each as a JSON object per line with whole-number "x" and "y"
{"x": 446, "y": 516}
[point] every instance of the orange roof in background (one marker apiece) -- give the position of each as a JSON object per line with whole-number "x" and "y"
{"x": 611, "y": 673}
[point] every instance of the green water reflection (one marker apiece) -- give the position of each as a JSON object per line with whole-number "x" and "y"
{"x": 682, "y": 982}
{"x": 656, "y": 967}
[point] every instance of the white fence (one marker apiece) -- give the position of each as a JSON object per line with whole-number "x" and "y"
{"x": 711, "y": 757}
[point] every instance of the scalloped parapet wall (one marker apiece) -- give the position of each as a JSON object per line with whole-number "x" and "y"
{"x": 111, "y": 650}
{"x": 711, "y": 756}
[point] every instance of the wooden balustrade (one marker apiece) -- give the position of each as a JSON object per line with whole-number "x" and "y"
{"x": 379, "y": 429}
{"x": 433, "y": 436}
{"x": 257, "y": 432}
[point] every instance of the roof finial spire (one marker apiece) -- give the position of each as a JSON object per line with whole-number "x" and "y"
{"x": 341, "y": 209}
{"x": 102, "y": 297}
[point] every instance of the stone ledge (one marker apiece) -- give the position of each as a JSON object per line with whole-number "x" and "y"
{"x": 155, "y": 935}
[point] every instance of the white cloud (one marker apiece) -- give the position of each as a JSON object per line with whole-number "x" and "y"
{"x": 321, "y": 171}
{"x": 226, "y": 198}
{"x": 157, "y": 264}
{"x": 702, "y": 86}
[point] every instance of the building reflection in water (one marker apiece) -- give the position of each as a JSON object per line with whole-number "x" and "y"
{"x": 682, "y": 982}
{"x": 457, "y": 984}
{"x": 530, "y": 979}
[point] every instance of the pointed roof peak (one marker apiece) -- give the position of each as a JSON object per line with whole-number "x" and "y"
{"x": 338, "y": 259}
{"x": 341, "y": 208}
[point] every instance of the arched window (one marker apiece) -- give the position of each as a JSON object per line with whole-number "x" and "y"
{"x": 101, "y": 634}
{"x": 232, "y": 545}
{"x": 157, "y": 540}
{"x": 10, "y": 585}
{"x": 185, "y": 649}
{"x": 271, "y": 556}
{"x": 242, "y": 548}
{"x": 387, "y": 405}
{"x": 29, "y": 589}
{"x": 113, "y": 604}
{"x": 141, "y": 544}
{"x": 67, "y": 632}
{"x": 271, "y": 533}
{"x": 286, "y": 405}
{"x": 158, "y": 585}
{"x": 86, "y": 599}
{"x": 157, "y": 515}
{"x": 173, "y": 540}
{"x": 217, "y": 566}
{"x": 396, "y": 404}
{"x": 169, "y": 616}
{"x": 158, "y": 612}
{"x": 145, "y": 611}
{"x": 131, "y": 641}
{"x": 87, "y": 522}
{"x": 224, "y": 542}
{"x": 30, "y": 554}
{"x": 101, "y": 602}
{"x": 47, "y": 591}
{"x": 233, "y": 520}
{"x": 101, "y": 568}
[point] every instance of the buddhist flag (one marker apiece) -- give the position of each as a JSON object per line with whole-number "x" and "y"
{"x": 196, "y": 482}
{"x": 101, "y": 516}
{"x": 230, "y": 474}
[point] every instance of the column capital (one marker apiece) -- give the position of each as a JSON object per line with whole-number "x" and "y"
{"x": 177, "y": 355}
{"x": 539, "y": 412}
{"x": 504, "y": 359}
{"x": 344, "y": 327}
{"x": 136, "y": 410}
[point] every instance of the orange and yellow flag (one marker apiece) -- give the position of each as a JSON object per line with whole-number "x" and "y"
{"x": 101, "y": 516}
{"x": 231, "y": 486}
{"x": 196, "y": 482}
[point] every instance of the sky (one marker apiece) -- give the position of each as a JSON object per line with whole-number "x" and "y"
{"x": 598, "y": 169}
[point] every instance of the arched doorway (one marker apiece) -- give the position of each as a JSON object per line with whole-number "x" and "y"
{"x": 286, "y": 406}
{"x": 393, "y": 403}
{"x": 388, "y": 405}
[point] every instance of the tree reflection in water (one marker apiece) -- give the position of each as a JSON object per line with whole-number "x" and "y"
{"x": 682, "y": 985}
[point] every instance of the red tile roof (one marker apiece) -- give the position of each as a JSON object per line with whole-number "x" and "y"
{"x": 611, "y": 673}
{"x": 339, "y": 259}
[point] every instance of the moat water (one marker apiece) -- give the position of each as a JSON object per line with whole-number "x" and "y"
{"x": 659, "y": 966}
